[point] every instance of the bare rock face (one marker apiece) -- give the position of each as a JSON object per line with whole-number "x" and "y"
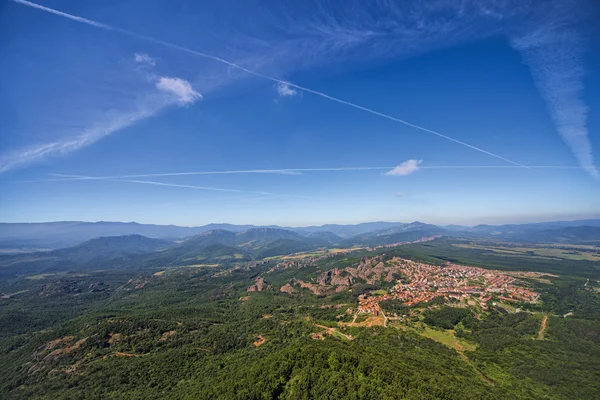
{"x": 135, "y": 284}
{"x": 60, "y": 286}
{"x": 336, "y": 280}
{"x": 340, "y": 278}
{"x": 335, "y": 277}
{"x": 98, "y": 287}
{"x": 371, "y": 270}
{"x": 287, "y": 288}
{"x": 324, "y": 278}
{"x": 259, "y": 285}
{"x": 310, "y": 286}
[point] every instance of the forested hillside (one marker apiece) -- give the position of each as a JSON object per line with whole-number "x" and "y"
{"x": 283, "y": 328}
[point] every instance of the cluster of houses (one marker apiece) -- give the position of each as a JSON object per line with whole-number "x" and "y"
{"x": 370, "y": 304}
{"x": 425, "y": 282}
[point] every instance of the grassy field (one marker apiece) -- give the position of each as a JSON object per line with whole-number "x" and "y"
{"x": 447, "y": 338}
{"x": 57, "y": 275}
{"x": 587, "y": 253}
{"x": 379, "y": 292}
{"x": 39, "y": 277}
{"x": 314, "y": 253}
{"x": 481, "y": 254}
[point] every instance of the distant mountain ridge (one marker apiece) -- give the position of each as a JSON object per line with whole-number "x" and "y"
{"x": 219, "y": 246}
{"x": 68, "y": 233}
{"x": 54, "y": 235}
{"x": 98, "y": 253}
{"x": 134, "y": 251}
{"x": 404, "y": 233}
{"x": 569, "y": 235}
{"x": 581, "y": 231}
{"x": 112, "y": 246}
{"x": 248, "y": 244}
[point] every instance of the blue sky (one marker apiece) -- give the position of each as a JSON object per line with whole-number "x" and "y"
{"x": 299, "y": 113}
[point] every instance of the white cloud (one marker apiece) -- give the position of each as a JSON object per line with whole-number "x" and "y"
{"x": 181, "y": 88}
{"x": 145, "y": 59}
{"x": 406, "y": 168}
{"x": 285, "y": 90}
{"x": 400, "y": 194}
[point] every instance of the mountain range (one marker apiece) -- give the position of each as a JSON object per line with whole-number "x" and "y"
{"x": 54, "y": 235}
{"x": 223, "y": 246}
{"x": 16, "y": 237}
{"x": 134, "y": 251}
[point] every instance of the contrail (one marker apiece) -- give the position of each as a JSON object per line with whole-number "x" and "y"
{"x": 285, "y": 171}
{"x": 209, "y": 188}
{"x": 62, "y": 14}
{"x": 293, "y": 171}
{"x": 258, "y": 74}
{"x": 498, "y": 166}
{"x": 251, "y": 171}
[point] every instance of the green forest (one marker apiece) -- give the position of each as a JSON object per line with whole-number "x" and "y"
{"x": 196, "y": 333}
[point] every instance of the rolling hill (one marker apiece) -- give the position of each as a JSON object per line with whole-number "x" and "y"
{"x": 136, "y": 251}
{"x": 326, "y": 236}
{"x": 103, "y": 252}
{"x": 569, "y": 235}
{"x": 113, "y": 247}
{"x": 405, "y": 233}
{"x": 248, "y": 244}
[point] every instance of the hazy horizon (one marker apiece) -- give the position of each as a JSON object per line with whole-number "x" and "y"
{"x": 283, "y": 225}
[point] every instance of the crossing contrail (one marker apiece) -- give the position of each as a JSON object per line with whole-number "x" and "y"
{"x": 258, "y": 74}
{"x": 209, "y": 188}
{"x": 293, "y": 171}
{"x": 285, "y": 171}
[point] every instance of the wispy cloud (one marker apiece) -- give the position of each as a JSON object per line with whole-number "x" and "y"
{"x": 284, "y": 90}
{"x": 25, "y": 156}
{"x": 273, "y": 79}
{"x": 299, "y": 171}
{"x": 555, "y": 57}
{"x": 137, "y": 95}
{"x": 406, "y": 168}
{"x": 145, "y": 59}
{"x": 403, "y": 29}
{"x": 400, "y": 194}
{"x": 180, "y": 88}
{"x": 180, "y": 92}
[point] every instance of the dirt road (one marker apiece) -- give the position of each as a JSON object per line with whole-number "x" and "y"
{"x": 543, "y": 326}
{"x": 331, "y": 331}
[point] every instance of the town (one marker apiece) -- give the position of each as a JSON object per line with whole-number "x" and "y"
{"x": 424, "y": 282}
